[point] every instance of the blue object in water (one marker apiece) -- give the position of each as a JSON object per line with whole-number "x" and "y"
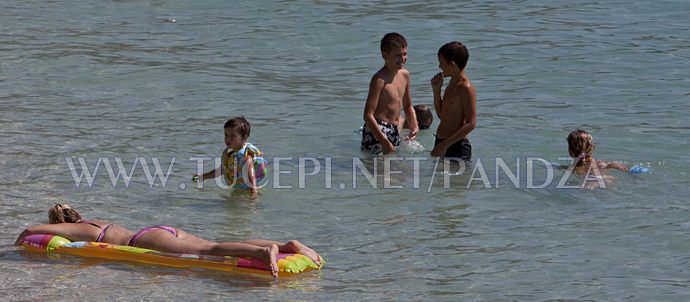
{"x": 638, "y": 170}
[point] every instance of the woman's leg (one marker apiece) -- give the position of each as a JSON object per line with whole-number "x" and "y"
{"x": 267, "y": 254}
{"x": 164, "y": 241}
{"x": 191, "y": 238}
{"x": 292, "y": 246}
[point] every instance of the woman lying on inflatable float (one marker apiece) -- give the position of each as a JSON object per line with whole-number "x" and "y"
{"x": 66, "y": 222}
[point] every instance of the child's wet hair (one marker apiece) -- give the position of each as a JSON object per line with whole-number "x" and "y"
{"x": 61, "y": 213}
{"x": 424, "y": 116}
{"x": 580, "y": 144}
{"x": 455, "y": 52}
{"x": 392, "y": 41}
{"x": 241, "y": 124}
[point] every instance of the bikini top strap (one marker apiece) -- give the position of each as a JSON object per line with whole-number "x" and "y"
{"x": 91, "y": 223}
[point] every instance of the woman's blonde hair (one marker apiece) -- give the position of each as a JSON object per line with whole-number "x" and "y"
{"x": 580, "y": 145}
{"x": 61, "y": 213}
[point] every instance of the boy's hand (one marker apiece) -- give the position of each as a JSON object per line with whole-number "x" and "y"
{"x": 387, "y": 147}
{"x": 413, "y": 134}
{"x": 439, "y": 150}
{"x": 437, "y": 82}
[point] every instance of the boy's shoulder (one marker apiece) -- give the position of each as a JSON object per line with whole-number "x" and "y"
{"x": 383, "y": 74}
{"x": 379, "y": 74}
{"x": 405, "y": 73}
{"x": 464, "y": 86}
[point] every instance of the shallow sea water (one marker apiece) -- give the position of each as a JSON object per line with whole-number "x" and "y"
{"x": 157, "y": 79}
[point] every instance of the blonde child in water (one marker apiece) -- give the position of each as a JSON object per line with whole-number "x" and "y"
{"x": 424, "y": 118}
{"x": 581, "y": 148}
{"x": 241, "y": 163}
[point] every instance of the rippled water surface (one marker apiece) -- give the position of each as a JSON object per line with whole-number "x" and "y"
{"x": 157, "y": 79}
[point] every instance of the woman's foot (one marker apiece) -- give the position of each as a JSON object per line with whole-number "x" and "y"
{"x": 270, "y": 258}
{"x": 297, "y": 247}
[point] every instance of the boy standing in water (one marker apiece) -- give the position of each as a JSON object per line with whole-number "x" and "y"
{"x": 389, "y": 93}
{"x": 242, "y": 164}
{"x": 457, "y": 109}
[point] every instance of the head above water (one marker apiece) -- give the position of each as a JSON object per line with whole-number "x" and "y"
{"x": 424, "y": 116}
{"x": 394, "y": 51}
{"x": 236, "y": 132}
{"x": 580, "y": 144}
{"x": 61, "y": 213}
{"x": 455, "y": 52}
{"x": 239, "y": 124}
{"x": 392, "y": 41}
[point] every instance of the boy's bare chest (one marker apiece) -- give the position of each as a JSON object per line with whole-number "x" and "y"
{"x": 394, "y": 90}
{"x": 451, "y": 98}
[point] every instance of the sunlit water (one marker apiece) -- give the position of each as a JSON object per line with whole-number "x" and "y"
{"x": 157, "y": 79}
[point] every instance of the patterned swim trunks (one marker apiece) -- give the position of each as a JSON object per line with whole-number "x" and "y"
{"x": 369, "y": 141}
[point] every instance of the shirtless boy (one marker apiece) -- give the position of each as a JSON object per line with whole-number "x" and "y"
{"x": 389, "y": 93}
{"x": 457, "y": 109}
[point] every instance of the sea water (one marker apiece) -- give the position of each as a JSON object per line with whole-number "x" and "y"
{"x": 135, "y": 81}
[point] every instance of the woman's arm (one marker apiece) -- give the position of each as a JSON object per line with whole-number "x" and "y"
{"x": 71, "y": 231}
{"x": 25, "y": 233}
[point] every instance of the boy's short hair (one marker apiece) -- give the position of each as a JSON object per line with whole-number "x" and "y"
{"x": 455, "y": 52}
{"x": 242, "y": 125}
{"x": 391, "y": 41}
{"x": 424, "y": 116}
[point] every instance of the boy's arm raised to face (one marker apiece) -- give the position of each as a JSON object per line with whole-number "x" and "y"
{"x": 375, "y": 88}
{"x": 436, "y": 84}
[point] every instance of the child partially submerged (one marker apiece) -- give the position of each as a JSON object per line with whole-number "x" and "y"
{"x": 581, "y": 148}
